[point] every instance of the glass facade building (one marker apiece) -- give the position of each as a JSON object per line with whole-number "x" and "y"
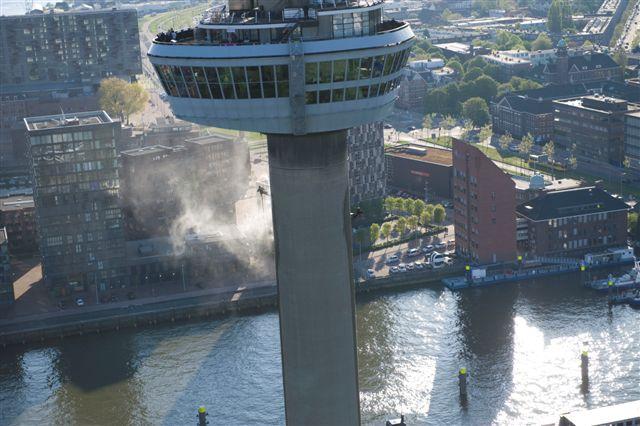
{"x": 74, "y": 168}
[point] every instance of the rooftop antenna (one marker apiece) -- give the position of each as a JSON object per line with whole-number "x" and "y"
{"x": 64, "y": 118}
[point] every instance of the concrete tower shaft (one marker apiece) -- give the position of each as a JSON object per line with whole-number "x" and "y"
{"x": 312, "y": 229}
{"x": 301, "y": 72}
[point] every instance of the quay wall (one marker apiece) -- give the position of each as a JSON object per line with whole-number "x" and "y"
{"x": 246, "y": 302}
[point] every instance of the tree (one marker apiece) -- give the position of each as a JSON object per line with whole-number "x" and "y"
{"x": 476, "y": 61}
{"x": 485, "y": 133}
{"x": 453, "y": 98}
{"x": 519, "y": 83}
{"x": 485, "y": 87}
{"x": 408, "y": 205}
{"x": 549, "y": 149}
{"x": 439, "y": 214}
{"x": 566, "y": 15}
{"x": 401, "y": 226}
{"x": 542, "y": 42}
{"x": 554, "y": 18}
{"x": 425, "y": 218}
{"x": 429, "y": 210}
{"x": 137, "y": 98}
{"x": 112, "y": 93}
{"x": 456, "y": 66}
{"x": 525, "y": 146}
{"x": 412, "y": 222}
{"x": 385, "y": 230}
{"x": 448, "y": 123}
{"x": 374, "y": 232}
{"x": 427, "y": 122}
{"x": 476, "y": 110}
{"x": 436, "y": 101}
{"x": 389, "y": 204}
{"x": 121, "y": 99}
{"x": 399, "y": 204}
{"x": 472, "y": 74}
{"x": 504, "y": 141}
{"x": 418, "y": 207}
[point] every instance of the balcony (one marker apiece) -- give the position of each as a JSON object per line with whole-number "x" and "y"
{"x": 319, "y": 21}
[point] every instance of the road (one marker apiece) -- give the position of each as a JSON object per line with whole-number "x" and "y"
{"x": 139, "y": 306}
{"x": 631, "y": 29}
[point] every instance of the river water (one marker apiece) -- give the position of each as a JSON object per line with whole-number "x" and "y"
{"x": 521, "y": 344}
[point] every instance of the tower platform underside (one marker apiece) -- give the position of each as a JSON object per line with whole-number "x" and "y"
{"x": 312, "y": 229}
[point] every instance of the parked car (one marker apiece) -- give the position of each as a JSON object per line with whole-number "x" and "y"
{"x": 393, "y": 270}
{"x": 411, "y": 128}
{"x": 427, "y": 249}
{"x": 371, "y": 273}
{"x": 441, "y": 246}
{"x": 388, "y": 126}
{"x": 392, "y": 259}
{"x": 402, "y": 267}
{"x": 413, "y": 252}
{"x": 411, "y": 266}
{"x": 419, "y": 265}
{"x": 79, "y": 301}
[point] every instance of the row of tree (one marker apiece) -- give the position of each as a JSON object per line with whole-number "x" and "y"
{"x": 560, "y": 16}
{"x": 425, "y": 213}
{"x": 477, "y": 79}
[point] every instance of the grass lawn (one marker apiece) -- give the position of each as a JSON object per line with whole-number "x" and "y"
{"x": 175, "y": 18}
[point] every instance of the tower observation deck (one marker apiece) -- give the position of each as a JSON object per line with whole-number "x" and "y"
{"x": 302, "y": 72}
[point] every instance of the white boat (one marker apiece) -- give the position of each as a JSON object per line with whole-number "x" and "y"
{"x": 628, "y": 280}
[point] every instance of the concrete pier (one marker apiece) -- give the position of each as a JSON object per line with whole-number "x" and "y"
{"x": 316, "y": 298}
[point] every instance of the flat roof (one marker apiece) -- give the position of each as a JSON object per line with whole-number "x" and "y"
{"x": 443, "y": 157}
{"x": 150, "y": 150}
{"x": 554, "y": 185}
{"x": 211, "y": 139}
{"x": 613, "y": 414}
{"x": 454, "y": 47}
{"x": 73, "y": 119}
{"x": 16, "y": 203}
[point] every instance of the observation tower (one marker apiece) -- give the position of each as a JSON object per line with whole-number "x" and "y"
{"x": 302, "y": 72}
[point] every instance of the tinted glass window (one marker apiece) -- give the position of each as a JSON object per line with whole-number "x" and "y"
{"x": 339, "y": 70}
{"x": 325, "y": 72}
{"x": 253, "y": 77}
{"x": 311, "y": 73}
{"x": 268, "y": 81}
{"x": 240, "y": 80}
{"x": 214, "y": 86}
{"x": 201, "y": 81}
{"x": 226, "y": 82}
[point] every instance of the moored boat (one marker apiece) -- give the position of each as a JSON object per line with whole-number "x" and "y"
{"x": 626, "y": 281}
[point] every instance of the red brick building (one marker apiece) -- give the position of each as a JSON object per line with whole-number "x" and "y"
{"x": 573, "y": 222}
{"x": 484, "y": 200}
